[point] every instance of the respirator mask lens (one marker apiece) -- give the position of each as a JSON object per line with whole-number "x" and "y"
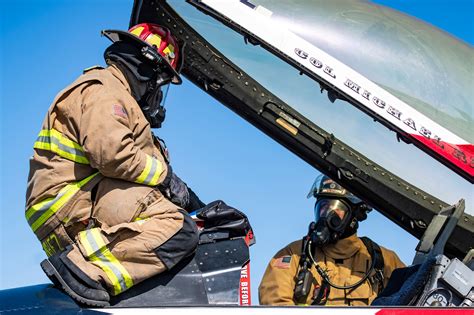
{"x": 332, "y": 210}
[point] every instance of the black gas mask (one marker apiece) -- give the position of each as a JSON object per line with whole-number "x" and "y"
{"x": 334, "y": 221}
{"x": 337, "y": 211}
{"x": 152, "y": 102}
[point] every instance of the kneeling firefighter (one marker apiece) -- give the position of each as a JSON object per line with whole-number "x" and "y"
{"x": 331, "y": 265}
{"x": 102, "y": 197}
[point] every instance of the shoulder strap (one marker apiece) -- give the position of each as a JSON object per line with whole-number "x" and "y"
{"x": 376, "y": 254}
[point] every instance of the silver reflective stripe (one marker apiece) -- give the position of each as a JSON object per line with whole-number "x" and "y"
{"x": 96, "y": 249}
{"x": 154, "y": 166}
{"x": 46, "y": 139}
{"x": 38, "y": 213}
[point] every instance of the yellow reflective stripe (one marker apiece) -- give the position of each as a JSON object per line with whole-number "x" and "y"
{"x": 83, "y": 239}
{"x": 90, "y": 253}
{"x": 40, "y": 205}
{"x": 145, "y": 171}
{"x": 151, "y": 173}
{"x": 168, "y": 49}
{"x": 52, "y": 140}
{"x": 154, "y": 39}
{"x": 140, "y": 221}
{"x": 156, "y": 176}
{"x": 100, "y": 255}
{"x": 39, "y": 213}
{"x": 137, "y": 31}
{"x": 106, "y": 252}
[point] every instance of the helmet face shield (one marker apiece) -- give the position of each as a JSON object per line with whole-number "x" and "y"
{"x": 324, "y": 186}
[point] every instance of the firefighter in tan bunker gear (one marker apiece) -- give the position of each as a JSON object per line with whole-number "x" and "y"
{"x": 331, "y": 265}
{"x": 101, "y": 197}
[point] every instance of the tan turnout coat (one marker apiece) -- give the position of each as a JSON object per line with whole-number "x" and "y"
{"x": 346, "y": 262}
{"x": 95, "y": 126}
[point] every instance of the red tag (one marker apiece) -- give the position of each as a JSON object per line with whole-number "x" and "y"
{"x": 244, "y": 288}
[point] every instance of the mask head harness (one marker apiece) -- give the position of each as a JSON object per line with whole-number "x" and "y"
{"x": 149, "y": 56}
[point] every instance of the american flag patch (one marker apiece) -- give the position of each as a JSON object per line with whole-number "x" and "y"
{"x": 282, "y": 262}
{"x": 119, "y": 111}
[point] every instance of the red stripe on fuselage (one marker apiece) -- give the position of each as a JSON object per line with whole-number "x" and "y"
{"x": 461, "y": 155}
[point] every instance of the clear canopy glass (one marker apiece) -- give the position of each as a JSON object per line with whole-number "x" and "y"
{"x": 420, "y": 64}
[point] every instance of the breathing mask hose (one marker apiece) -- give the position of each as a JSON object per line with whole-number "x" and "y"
{"x": 325, "y": 276}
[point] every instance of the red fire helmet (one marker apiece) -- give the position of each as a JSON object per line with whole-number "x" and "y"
{"x": 153, "y": 38}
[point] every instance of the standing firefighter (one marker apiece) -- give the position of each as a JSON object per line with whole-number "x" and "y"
{"x": 101, "y": 197}
{"x": 331, "y": 265}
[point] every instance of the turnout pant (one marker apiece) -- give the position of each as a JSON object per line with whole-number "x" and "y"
{"x": 133, "y": 233}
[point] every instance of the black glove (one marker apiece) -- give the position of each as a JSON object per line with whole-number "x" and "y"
{"x": 178, "y": 192}
{"x": 219, "y": 216}
{"x": 194, "y": 202}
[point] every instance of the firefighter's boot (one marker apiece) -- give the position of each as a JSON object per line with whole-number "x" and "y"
{"x": 63, "y": 273}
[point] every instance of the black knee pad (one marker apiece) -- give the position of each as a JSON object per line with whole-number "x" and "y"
{"x": 180, "y": 245}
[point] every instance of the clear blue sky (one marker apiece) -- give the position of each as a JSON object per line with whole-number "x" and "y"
{"x": 44, "y": 45}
